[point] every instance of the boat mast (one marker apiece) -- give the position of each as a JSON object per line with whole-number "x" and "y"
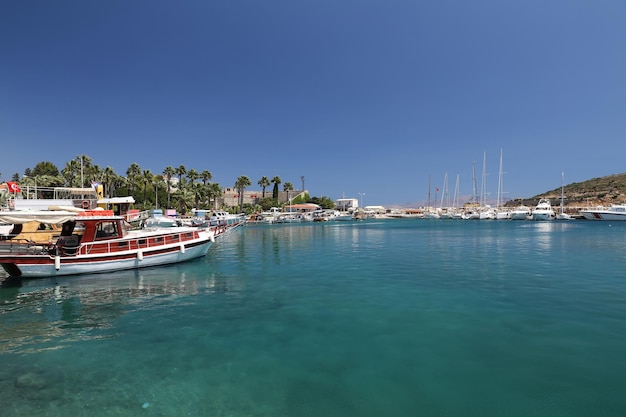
{"x": 428, "y": 193}
{"x": 474, "y": 198}
{"x": 483, "y": 194}
{"x": 444, "y": 192}
{"x": 455, "y": 200}
{"x": 499, "y": 198}
{"x": 562, "y": 185}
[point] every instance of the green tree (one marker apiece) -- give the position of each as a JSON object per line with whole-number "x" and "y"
{"x": 180, "y": 171}
{"x": 276, "y": 181}
{"x": 206, "y": 177}
{"x": 185, "y": 199}
{"x": 264, "y": 182}
{"x": 148, "y": 179}
{"x": 108, "y": 179}
{"x": 168, "y": 172}
{"x": 240, "y": 185}
{"x": 85, "y": 168}
{"x": 158, "y": 182}
{"x": 199, "y": 191}
{"x": 45, "y": 168}
{"x": 132, "y": 174}
{"x": 193, "y": 175}
{"x": 214, "y": 192}
{"x": 71, "y": 173}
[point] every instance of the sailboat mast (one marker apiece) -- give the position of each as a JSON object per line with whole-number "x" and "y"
{"x": 499, "y": 198}
{"x": 562, "y": 186}
{"x": 483, "y": 196}
{"x": 474, "y": 189}
{"x": 444, "y": 192}
{"x": 428, "y": 193}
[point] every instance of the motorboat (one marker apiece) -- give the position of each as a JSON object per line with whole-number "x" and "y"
{"x": 616, "y": 212}
{"x": 543, "y": 210}
{"x": 520, "y": 212}
{"x": 96, "y": 241}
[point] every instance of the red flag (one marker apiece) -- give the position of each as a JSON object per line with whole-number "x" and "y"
{"x": 13, "y": 187}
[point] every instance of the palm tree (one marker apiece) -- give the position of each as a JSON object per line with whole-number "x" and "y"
{"x": 108, "y": 176}
{"x": 199, "y": 190}
{"x": 180, "y": 171}
{"x": 240, "y": 185}
{"x": 147, "y": 178}
{"x": 276, "y": 180}
{"x": 168, "y": 172}
{"x": 193, "y": 175}
{"x": 185, "y": 199}
{"x": 132, "y": 173}
{"x": 70, "y": 172}
{"x": 264, "y": 182}
{"x": 288, "y": 187}
{"x": 206, "y": 177}
{"x": 214, "y": 192}
{"x": 85, "y": 164}
{"x": 158, "y": 181}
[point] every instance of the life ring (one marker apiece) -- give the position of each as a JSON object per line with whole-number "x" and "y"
{"x": 85, "y": 204}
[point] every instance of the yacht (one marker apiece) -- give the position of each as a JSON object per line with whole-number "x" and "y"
{"x": 543, "y": 210}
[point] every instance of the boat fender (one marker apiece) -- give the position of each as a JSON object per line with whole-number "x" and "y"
{"x": 57, "y": 262}
{"x": 182, "y": 248}
{"x": 85, "y": 204}
{"x": 140, "y": 255}
{"x": 212, "y": 237}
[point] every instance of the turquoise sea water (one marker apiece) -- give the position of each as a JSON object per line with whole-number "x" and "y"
{"x": 374, "y": 318}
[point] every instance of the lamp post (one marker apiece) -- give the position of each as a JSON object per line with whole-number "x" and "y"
{"x": 361, "y": 202}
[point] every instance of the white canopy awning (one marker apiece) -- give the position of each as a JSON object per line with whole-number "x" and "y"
{"x": 45, "y": 217}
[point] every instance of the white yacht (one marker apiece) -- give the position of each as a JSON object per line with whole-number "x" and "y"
{"x": 520, "y": 212}
{"x": 616, "y": 212}
{"x": 543, "y": 210}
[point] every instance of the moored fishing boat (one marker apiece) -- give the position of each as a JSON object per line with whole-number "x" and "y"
{"x": 98, "y": 241}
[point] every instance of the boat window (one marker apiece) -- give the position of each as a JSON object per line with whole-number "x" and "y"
{"x": 107, "y": 229}
{"x": 68, "y": 228}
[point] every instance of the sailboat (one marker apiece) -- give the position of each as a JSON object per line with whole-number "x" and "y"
{"x": 563, "y": 215}
{"x": 445, "y": 210}
{"x": 471, "y": 209}
{"x": 429, "y": 213}
{"x": 486, "y": 212}
{"x": 501, "y": 213}
{"x": 456, "y": 212}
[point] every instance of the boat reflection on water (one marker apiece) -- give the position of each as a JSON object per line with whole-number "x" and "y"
{"x": 51, "y": 313}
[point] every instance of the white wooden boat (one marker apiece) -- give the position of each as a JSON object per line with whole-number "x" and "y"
{"x": 97, "y": 241}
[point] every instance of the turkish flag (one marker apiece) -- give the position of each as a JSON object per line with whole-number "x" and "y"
{"x": 13, "y": 187}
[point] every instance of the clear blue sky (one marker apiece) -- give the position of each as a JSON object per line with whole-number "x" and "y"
{"x": 360, "y": 96}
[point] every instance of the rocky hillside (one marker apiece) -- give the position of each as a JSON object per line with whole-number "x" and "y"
{"x": 596, "y": 191}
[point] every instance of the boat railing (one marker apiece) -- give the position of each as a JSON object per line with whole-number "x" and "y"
{"x": 137, "y": 243}
{"x": 23, "y": 247}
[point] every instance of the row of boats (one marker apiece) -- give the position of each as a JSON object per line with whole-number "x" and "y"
{"x": 543, "y": 211}
{"x": 275, "y": 215}
{"x": 69, "y": 241}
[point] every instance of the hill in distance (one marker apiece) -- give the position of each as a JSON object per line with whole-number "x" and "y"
{"x": 602, "y": 191}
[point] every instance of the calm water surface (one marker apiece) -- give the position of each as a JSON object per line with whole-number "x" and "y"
{"x": 376, "y": 318}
